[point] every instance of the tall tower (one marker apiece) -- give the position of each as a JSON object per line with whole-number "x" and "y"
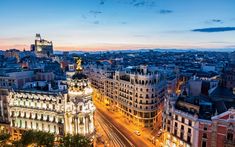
{"x": 42, "y": 47}
{"x": 79, "y": 106}
{"x": 38, "y": 37}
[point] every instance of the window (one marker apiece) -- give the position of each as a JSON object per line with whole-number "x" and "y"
{"x": 189, "y": 130}
{"x": 181, "y": 135}
{"x": 168, "y": 122}
{"x": 182, "y": 120}
{"x": 190, "y": 123}
{"x": 204, "y": 143}
{"x": 189, "y": 139}
{"x": 176, "y": 117}
{"x": 20, "y": 123}
{"x": 182, "y": 127}
{"x": 176, "y": 124}
{"x": 204, "y": 135}
{"x": 230, "y": 136}
{"x": 175, "y": 132}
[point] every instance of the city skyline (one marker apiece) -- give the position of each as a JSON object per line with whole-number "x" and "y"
{"x": 118, "y": 24}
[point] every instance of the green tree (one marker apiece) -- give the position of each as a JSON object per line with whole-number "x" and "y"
{"x": 39, "y": 138}
{"x": 75, "y": 141}
{"x": 4, "y": 137}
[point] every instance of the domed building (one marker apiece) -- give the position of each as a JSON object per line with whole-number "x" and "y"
{"x": 80, "y": 108}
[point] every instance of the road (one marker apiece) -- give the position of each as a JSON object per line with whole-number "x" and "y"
{"x": 116, "y": 138}
{"x": 118, "y": 134}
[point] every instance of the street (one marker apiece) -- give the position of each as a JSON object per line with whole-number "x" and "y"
{"x": 119, "y": 133}
{"x": 116, "y": 138}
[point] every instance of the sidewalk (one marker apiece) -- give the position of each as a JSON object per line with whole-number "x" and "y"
{"x": 118, "y": 117}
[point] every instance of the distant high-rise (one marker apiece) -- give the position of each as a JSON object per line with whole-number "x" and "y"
{"x": 42, "y": 47}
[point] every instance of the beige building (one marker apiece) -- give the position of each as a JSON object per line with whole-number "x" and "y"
{"x": 137, "y": 92}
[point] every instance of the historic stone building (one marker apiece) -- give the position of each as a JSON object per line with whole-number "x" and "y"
{"x": 79, "y": 109}
{"x": 137, "y": 92}
{"x": 56, "y": 107}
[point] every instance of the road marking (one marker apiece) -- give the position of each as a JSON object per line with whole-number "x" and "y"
{"x": 112, "y": 136}
{"x": 115, "y": 128}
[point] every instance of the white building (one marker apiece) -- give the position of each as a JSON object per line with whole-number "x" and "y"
{"x": 42, "y": 47}
{"x": 179, "y": 126}
{"x": 52, "y": 108}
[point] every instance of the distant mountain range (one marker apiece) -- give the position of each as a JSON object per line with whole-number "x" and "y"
{"x": 147, "y": 50}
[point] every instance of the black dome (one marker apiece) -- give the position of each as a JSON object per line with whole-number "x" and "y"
{"x": 79, "y": 76}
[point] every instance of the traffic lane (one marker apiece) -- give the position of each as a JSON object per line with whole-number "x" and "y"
{"x": 136, "y": 140}
{"x": 114, "y": 138}
{"x": 123, "y": 141}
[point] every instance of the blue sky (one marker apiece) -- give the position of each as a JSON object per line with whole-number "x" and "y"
{"x": 118, "y": 24}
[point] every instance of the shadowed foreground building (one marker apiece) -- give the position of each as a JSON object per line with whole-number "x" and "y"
{"x": 204, "y": 120}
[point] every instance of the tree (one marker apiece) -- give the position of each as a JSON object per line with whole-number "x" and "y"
{"x": 39, "y": 138}
{"x": 75, "y": 141}
{"x": 4, "y": 137}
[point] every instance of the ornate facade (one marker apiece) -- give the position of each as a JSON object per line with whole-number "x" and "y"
{"x": 36, "y": 110}
{"x": 79, "y": 109}
{"x": 137, "y": 92}
{"x": 68, "y": 109}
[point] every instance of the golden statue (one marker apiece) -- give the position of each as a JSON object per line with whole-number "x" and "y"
{"x": 79, "y": 64}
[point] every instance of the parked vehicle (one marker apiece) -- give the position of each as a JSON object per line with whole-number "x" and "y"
{"x": 137, "y": 133}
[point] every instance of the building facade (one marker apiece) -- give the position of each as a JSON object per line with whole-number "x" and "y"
{"x": 179, "y": 126}
{"x": 15, "y": 80}
{"x": 137, "y": 92}
{"x": 56, "y": 107}
{"x": 200, "y": 121}
{"x": 36, "y": 110}
{"x": 4, "y": 106}
{"x": 42, "y": 48}
{"x": 79, "y": 111}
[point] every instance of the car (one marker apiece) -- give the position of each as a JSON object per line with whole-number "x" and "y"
{"x": 159, "y": 133}
{"x": 137, "y": 133}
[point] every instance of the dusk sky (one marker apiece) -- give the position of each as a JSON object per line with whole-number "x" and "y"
{"x": 118, "y": 24}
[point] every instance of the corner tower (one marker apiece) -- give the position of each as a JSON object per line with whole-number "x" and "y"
{"x": 79, "y": 106}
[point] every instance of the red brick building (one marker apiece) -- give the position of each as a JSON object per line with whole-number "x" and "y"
{"x": 219, "y": 132}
